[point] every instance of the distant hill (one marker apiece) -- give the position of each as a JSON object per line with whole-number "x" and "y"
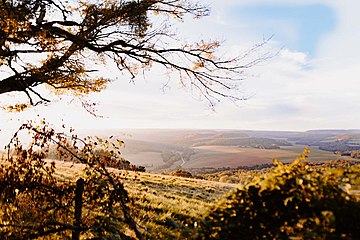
{"x": 334, "y": 131}
{"x": 162, "y": 150}
{"x": 330, "y": 140}
{"x": 248, "y": 142}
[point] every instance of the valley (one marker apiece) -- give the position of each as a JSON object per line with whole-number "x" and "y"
{"x": 164, "y": 150}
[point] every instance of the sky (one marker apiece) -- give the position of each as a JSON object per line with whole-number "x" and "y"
{"x": 313, "y": 82}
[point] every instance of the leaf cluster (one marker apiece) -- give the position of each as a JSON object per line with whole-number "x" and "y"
{"x": 291, "y": 201}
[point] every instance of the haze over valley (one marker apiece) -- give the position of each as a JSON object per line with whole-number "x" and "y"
{"x": 163, "y": 150}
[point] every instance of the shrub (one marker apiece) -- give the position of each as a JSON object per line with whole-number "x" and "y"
{"x": 293, "y": 200}
{"x": 181, "y": 173}
{"x": 38, "y": 203}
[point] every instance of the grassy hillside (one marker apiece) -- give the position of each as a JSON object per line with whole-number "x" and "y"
{"x": 164, "y": 206}
{"x": 170, "y": 207}
{"x": 167, "y": 206}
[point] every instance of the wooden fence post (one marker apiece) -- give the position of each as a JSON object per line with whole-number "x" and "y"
{"x": 78, "y": 206}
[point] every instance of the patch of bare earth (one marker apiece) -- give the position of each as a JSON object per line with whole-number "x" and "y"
{"x": 232, "y": 156}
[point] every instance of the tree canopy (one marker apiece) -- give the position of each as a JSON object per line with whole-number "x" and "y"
{"x": 59, "y": 44}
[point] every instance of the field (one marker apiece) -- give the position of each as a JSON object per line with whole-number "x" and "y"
{"x": 225, "y": 157}
{"x": 166, "y": 150}
{"x": 230, "y": 156}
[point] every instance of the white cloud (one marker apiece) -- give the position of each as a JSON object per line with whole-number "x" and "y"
{"x": 295, "y": 57}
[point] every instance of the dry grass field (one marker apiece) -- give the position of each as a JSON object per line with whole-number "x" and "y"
{"x": 232, "y": 156}
{"x": 162, "y": 203}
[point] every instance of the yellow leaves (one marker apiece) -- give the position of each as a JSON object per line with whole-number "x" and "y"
{"x": 107, "y": 144}
{"x": 78, "y": 86}
{"x": 93, "y": 85}
{"x": 120, "y": 143}
{"x": 306, "y": 151}
{"x": 287, "y": 200}
{"x": 198, "y": 64}
{"x": 208, "y": 46}
{"x": 73, "y": 78}
{"x": 277, "y": 163}
{"x": 205, "y": 52}
{"x": 307, "y": 201}
{"x": 17, "y": 107}
{"x": 346, "y": 187}
{"x": 302, "y": 157}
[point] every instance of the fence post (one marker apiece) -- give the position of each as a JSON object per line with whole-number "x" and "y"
{"x": 78, "y": 206}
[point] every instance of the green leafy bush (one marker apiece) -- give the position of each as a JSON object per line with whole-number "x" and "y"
{"x": 293, "y": 201}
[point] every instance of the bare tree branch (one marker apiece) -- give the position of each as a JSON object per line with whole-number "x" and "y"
{"x": 58, "y": 34}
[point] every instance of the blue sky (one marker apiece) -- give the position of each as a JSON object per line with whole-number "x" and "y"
{"x": 312, "y": 83}
{"x": 298, "y": 27}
